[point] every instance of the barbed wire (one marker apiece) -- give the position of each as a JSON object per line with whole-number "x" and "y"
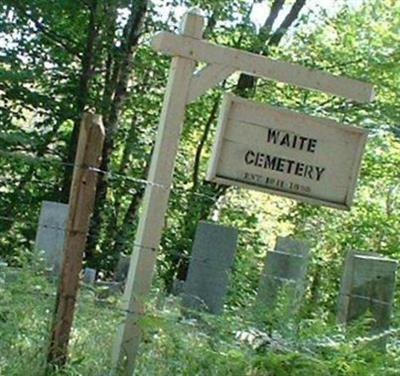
{"x": 109, "y": 173}
{"x": 163, "y": 251}
{"x": 368, "y": 298}
{"x": 112, "y": 174}
{"x": 166, "y": 252}
{"x": 66, "y": 230}
{"x": 52, "y": 160}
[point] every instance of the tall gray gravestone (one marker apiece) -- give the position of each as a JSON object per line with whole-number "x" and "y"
{"x": 367, "y": 285}
{"x": 50, "y": 234}
{"x": 213, "y": 254}
{"x": 122, "y": 269}
{"x": 285, "y": 269}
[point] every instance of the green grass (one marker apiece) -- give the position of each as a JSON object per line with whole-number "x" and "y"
{"x": 173, "y": 345}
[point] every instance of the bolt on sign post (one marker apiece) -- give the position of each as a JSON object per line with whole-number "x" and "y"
{"x": 81, "y": 201}
{"x": 183, "y": 87}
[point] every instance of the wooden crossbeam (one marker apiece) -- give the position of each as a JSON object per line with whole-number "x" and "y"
{"x": 261, "y": 66}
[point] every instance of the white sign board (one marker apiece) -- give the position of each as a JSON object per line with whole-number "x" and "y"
{"x": 286, "y": 153}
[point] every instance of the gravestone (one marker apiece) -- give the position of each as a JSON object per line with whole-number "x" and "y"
{"x": 9, "y": 274}
{"x": 89, "y": 276}
{"x": 3, "y": 270}
{"x": 285, "y": 269}
{"x": 104, "y": 290}
{"x": 177, "y": 287}
{"x": 367, "y": 285}
{"x": 122, "y": 269}
{"x": 3, "y": 265}
{"x": 50, "y": 234}
{"x": 213, "y": 254}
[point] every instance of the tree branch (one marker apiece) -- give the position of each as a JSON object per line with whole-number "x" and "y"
{"x": 286, "y": 23}
{"x": 60, "y": 41}
{"x": 269, "y": 22}
{"x": 196, "y": 167}
{"x": 246, "y": 81}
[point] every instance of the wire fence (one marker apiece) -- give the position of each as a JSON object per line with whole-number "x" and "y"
{"x": 245, "y": 234}
{"x": 248, "y": 236}
{"x": 109, "y": 174}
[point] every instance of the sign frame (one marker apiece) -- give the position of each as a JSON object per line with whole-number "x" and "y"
{"x": 185, "y": 85}
{"x": 212, "y": 172}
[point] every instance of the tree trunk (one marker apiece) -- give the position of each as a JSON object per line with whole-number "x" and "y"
{"x": 123, "y": 66}
{"x": 82, "y": 95}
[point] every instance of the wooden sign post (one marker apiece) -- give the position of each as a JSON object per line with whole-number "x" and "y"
{"x": 155, "y": 202}
{"x": 183, "y": 87}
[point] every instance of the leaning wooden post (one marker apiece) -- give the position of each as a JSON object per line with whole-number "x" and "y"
{"x": 155, "y": 201}
{"x": 81, "y": 201}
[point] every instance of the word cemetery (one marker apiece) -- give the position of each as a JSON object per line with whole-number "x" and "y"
{"x": 286, "y": 166}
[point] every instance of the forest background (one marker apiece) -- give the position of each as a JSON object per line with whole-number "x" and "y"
{"x": 61, "y": 58}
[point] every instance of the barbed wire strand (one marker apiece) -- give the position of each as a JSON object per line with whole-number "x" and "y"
{"x": 108, "y": 173}
{"x": 166, "y": 252}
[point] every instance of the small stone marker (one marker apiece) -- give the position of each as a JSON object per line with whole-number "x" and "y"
{"x": 3, "y": 270}
{"x": 368, "y": 284}
{"x": 8, "y": 274}
{"x": 285, "y": 267}
{"x": 3, "y": 265}
{"x": 51, "y": 233}
{"x": 105, "y": 290}
{"x": 89, "y": 275}
{"x": 177, "y": 286}
{"x": 121, "y": 271}
{"x": 208, "y": 275}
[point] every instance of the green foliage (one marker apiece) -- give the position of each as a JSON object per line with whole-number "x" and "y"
{"x": 26, "y": 304}
{"x": 174, "y": 345}
{"x": 43, "y": 49}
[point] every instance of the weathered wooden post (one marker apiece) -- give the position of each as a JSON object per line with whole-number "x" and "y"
{"x": 368, "y": 284}
{"x": 81, "y": 201}
{"x": 285, "y": 267}
{"x": 213, "y": 254}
